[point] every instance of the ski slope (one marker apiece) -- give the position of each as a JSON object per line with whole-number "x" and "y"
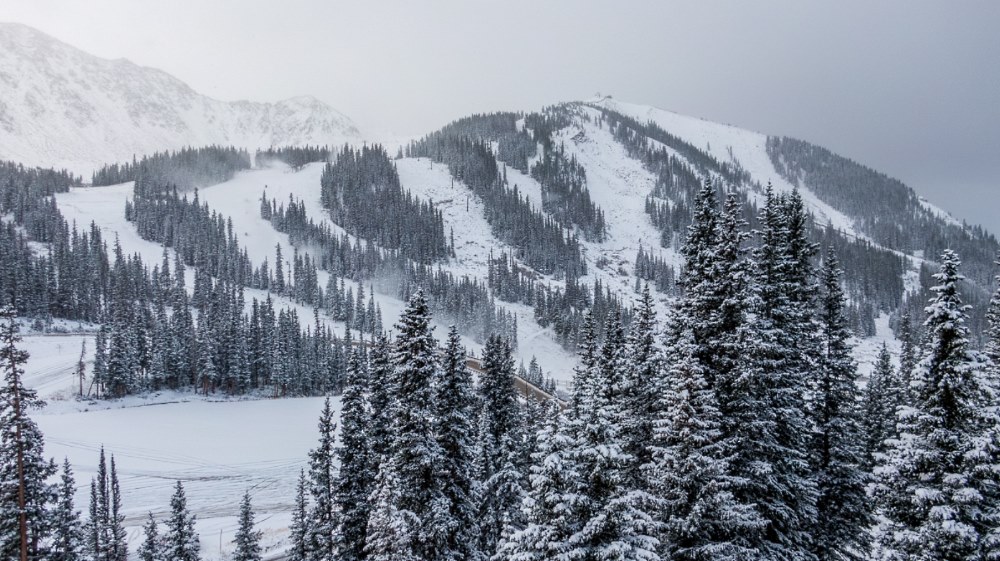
{"x": 727, "y": 143}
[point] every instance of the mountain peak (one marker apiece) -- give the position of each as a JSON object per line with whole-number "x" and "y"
{"x": 63, "y": 107}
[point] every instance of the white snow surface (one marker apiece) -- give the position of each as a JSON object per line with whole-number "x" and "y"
{"x": 61, "y": 107}
{"x": 731, "y": 144}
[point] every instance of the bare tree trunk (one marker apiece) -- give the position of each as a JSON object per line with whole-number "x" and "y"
{"x": 21, "y": 501}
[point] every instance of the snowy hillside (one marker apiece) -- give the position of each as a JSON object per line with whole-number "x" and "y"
{"x": 61, "y": 107}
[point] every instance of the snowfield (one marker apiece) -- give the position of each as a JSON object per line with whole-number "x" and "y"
{"x": 219, "y": 448}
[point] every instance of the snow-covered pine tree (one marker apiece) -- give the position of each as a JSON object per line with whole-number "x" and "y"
{"x": 713, "y": 281}
{"x": 992, "y": 346}
{"x": 118, "y": 546}
{"x": 843, "y": 511}
{"x": 551, "y": 500}
{"x": 499, "y": 445}
{"x": 611, "y": 513}
{"x": 939, "y": 485}
{"x": 392, "y": 532}
{"x": 322, "y": 476}
{"x": 909, "y": 349}
{"x": 67, "y": 530}
{"x": 583, "y": 376}
{"x": 699, "y": 277}
{"x": 355, "y": 480}
{"x": 246, "y": 540}
{"x": 180, "y": 542}
{"x": 401, "y": 525}
{"x": 380, "y": 395}
{"x": 763, "y": 400}
{"x": 454, "y": 405}
{"x": 25, "y": 491}
{"x": 689, "y": 473}
{"x": 642, "y": 385}
{"x": 151, "y": 548}
{"x": 299, "y": 528}
{"x": 879, "y": 407}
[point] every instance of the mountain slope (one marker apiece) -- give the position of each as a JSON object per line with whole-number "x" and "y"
{"x": 61, "y": 107}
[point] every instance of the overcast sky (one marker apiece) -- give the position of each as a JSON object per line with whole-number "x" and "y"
{"x": 910, "y": 88}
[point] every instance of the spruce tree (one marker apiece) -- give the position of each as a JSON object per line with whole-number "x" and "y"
{"x": 763, "y": 400}
{"x": 642, "y": 386}
{"x": 151, "y": 548}
{"x": 690, "y": 468}
{"x": 992, "y": 346}
{"x": 247, "y": 540}
{"x": 454, "y": 406}
{"x": 552, "y": 499}
{"x": 322, "y": 477}
{"x": 938, "y": 487}
{"x": 25, "y": 491}
{"x": 499, "y": 445}
{"x": 401, "y": 525}
{"x": 879, "y": 407}
{"x": 612, "y": 514}
{"x": 380, "y": 394}
{"x": 355, "y": 479}
{"x": 843, "y": 512}
{"x": 299, "y": 529}
{"x": 118, "y": 545}
{"x": 907, "y": 358}
{"x": 180, "y": 542}
{"x": 392, "y": 532}
{"x": 67, "y": 539}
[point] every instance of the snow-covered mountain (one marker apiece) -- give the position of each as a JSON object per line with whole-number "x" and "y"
{"x": 65, "y": 108}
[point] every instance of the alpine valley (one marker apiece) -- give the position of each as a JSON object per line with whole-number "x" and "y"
{"x": 193, "y": 277}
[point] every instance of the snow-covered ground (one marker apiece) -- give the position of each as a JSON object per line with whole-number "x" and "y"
{"x": 218, "y": 448}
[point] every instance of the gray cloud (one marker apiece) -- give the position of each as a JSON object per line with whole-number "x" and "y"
{"x": 910, "y": 88}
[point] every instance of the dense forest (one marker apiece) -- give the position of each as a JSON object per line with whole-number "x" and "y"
{"x": 658, "y": 454}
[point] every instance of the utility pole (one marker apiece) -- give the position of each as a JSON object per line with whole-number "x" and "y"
{"x": 81, "y": 367}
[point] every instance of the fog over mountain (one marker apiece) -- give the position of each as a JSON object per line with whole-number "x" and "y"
{"x": 62, "y": 107}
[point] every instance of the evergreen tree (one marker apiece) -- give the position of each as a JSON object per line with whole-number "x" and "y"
{"x": 907, "y": 358}
{"x": 552, "y": 499}
{"x": 180, "y": 542}
{"x": 879, "y": 422}
{"x": 401, "y": 525}
{"x": 299, "y": 529}
{"x": 118, "y": 545}
{"x": 454, "y": 405}
{"x": 151, "y": 548}
{"x": 499, "y": 445}
{"x": 355, "y": 480}
{"x": 763, "y": 398}
{"x": 25, "y": 491}
{"x": 642, "y": 386}
{"x": 843, "y": 515}
{"x": 938, "y": 488}
{"x": 67, "y": 532}
{"x": 612, "y": 514}
{"x": 380, "y": 393}
{"x": 690, "y": 468}
{"x": 392, "y": 532}
{"x": 992, "y": 347}
{"x": 247, "y": 540}
{"x": 322, "y": 477}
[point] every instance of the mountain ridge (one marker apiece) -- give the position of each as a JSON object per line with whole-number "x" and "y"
{"x": 63, "y": 107}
